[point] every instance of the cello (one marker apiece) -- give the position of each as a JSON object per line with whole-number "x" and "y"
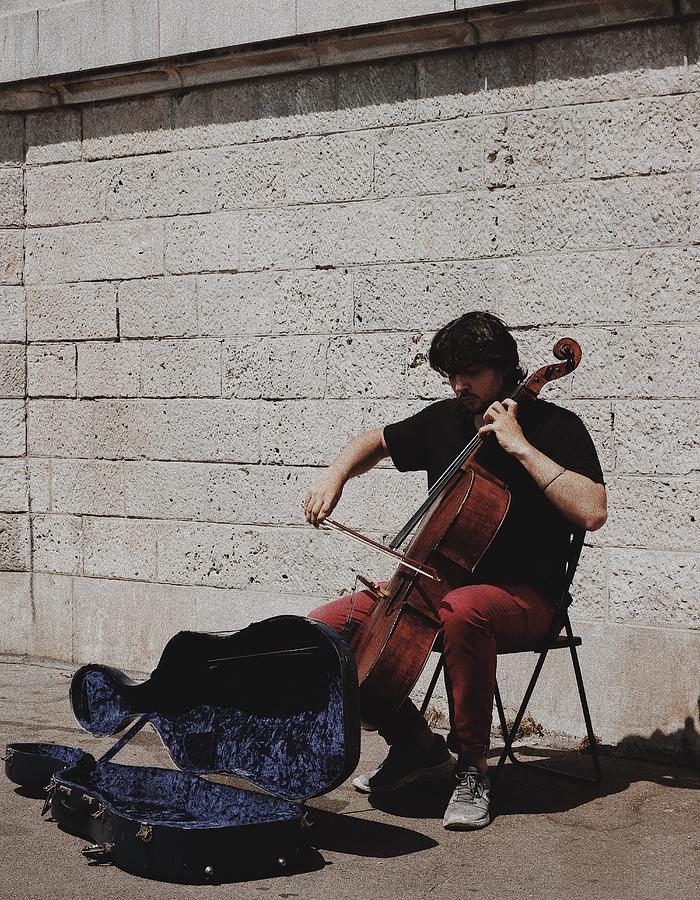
{"x": 456, "y": 523}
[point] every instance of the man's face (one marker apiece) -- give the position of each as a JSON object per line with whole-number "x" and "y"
{"x": 477, "y": 387}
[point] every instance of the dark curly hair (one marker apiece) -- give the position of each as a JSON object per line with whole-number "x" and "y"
{"x": 476, "y": 339}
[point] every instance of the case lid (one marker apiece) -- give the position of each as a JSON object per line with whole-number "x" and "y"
{"x": 276, "y": 703}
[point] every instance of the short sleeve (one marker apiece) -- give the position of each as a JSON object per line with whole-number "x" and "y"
{"x": 573, "y": 448}
{"x": 406, "y": 442}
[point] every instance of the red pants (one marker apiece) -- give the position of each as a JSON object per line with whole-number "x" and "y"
{"x": 475, "y": 622}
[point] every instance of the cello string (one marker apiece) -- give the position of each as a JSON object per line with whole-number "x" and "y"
{"x": 440, "y": 483}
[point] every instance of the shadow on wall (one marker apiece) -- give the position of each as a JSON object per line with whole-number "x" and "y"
{"x": 548, "y": 65}
{"x": 683, "y": 745}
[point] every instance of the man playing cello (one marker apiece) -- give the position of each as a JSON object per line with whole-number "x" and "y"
{"x": 546, "y": 457}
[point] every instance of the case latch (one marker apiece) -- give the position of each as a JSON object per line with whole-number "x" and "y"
{"x": 98, "y": 853}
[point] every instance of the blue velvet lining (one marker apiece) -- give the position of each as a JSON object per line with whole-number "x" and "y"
{"x": 69, "y": 755}
{"x": 168, "y": 797}
{"x": 227, "y": 705}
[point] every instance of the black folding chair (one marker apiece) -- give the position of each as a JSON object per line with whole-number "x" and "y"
{"x": 553, "y": 641}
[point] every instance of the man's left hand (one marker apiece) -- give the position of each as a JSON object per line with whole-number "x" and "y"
{"x": 501, "y": 419}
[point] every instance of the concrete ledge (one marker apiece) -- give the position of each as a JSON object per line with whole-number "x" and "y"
{"x": 265, "y": 52}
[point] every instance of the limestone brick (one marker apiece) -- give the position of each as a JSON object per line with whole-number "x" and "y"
{"x": 264, "y": 494}
{"x": 218, "y": 24}
{"x": 366, "y": 366}
{"x": 590, "y": 589}
{"x": 14, "y": 542}
{"x": 51, "y": 634}
{"x": 17, "y": 612}
{"x": 307, "y": 432}
{"x": 274, "y": 367}
{"x": 127, "y": 127}
{"x": 629, "y": 212}
{"x": 53, "y": 136}
{"x": 565, "y": 73}
{"x": 469, "y": 82}
{"x": 300, "y": 302}
{"x": 181, "y": 368}
{"x": 437, "y": 157}
{"x": 11, "y": 256}
{"x": 638, "y": 506}
{"x": 666, "y": 285}
{"x": 109, "y": 369}
{"x": 622, "y": 702}
{"x": 216, "y": 430}
{"x": 654, "y": 587}
{"x": 641, "y": 137}
{"x": 56, "y": 544}
{"x": 655, "y": 361}
{"x": 220, "y": 609}
{"x": 154, "y": 612}
{"x": 92, "y": 487}
{"x": 312, "y": 301}
{"x": 524, "y": 291}
{"x": 119, "y": 548}
{"x": 60, "y": 428}
{"x": 12, "y": 314}
{"x": 422, "y": 382}
{"x": 14, "y": 486}
{"x": 12, "y": 428}
{"x": 66, "y": 193}
{"x": 232, "y": 305}
{"x": 262, "y": 558}
{"x": 12, "y": 371}
{"x": 535, "y": 147}
{"x": 94, "y": 252}
{"x": 72, "y": 312}
{"x": 376, "y": 94}
{"x": 473, "y": 224}
{"x": 312, "y": 432}
{"x": 158, "y": 307}
{"x": 11, "y": 140}
{"x": 95, "y": 34}
{"x": 306, "y": 170}
{"x": 597, "y": 416}
{"x": 18, "y": 46}
{"x": 39, "y": 479}
{"x": 322, "y": 15}
{"x": 202, "y": 243}
{"x": 656, "y": 437}
{"x": 11, "y": 197}
{"x": 329, "y": 235}
{"x": 171, "y": 184}
{"x": 256, "y": 110}
{"x": 51, "y": 370}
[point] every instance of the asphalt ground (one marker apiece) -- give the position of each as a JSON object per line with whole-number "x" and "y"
{"x": 636, "y": 836}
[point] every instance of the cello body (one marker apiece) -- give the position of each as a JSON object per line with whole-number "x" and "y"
{"x": 399, "y": 633}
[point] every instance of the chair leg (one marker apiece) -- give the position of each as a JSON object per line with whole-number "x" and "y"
{"x": 592, "y": 742}
{"x": 509, "y": 737}
{"x": 431, "y": 686}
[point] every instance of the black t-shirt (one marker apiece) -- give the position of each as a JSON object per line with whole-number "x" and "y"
{"x": 531, "y": 545}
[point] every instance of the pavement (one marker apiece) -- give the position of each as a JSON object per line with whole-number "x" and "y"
{"x": 635, "y": 836}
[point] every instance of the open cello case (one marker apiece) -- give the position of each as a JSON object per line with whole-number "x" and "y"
{"x": 275, "y": 704}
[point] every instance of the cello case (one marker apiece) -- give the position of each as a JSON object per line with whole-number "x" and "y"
{"x": 275, "y": 704}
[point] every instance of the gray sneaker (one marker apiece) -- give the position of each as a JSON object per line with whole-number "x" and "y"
{"x": 409, "y": 766}
{"x": 470, "y": 804}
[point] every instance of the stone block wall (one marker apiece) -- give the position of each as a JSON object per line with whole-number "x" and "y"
{"x": 205, "y": 294}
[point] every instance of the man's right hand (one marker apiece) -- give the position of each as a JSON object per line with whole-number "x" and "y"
{"x": 322, "y": 497}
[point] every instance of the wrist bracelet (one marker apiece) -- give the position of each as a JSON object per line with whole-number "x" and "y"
{"x": 553, "y": 480}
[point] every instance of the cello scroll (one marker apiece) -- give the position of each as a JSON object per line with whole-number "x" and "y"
{"x": 566, "y": 349}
